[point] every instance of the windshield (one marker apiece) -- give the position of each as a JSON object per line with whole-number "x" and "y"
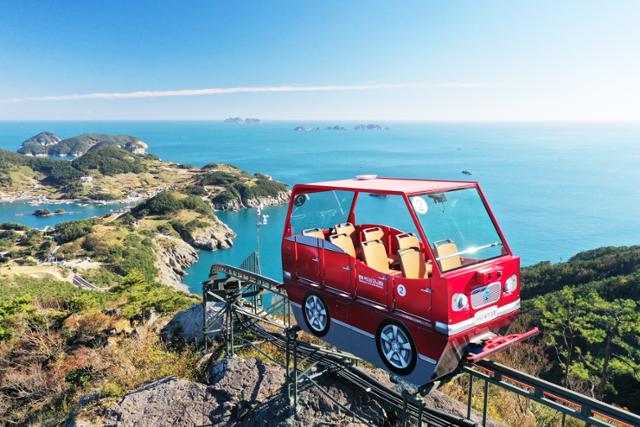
{"x": 320, "y": 210}
{"x": 459, "y": 228}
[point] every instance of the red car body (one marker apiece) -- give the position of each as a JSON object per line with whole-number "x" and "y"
{"x": 364, "y": 306}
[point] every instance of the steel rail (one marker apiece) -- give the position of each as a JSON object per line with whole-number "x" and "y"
{"x": 574, "y": 404}
{"x": 569, "y": 402}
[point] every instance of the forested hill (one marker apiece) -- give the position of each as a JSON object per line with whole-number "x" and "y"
{"x": 589, "y": 313}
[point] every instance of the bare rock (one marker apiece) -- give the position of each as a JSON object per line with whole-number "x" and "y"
{"x": 247, "y": 379}
{"x": 186, "y": 326}
{"x": 218, "y": 236}
{"x": 173, "y": 256}
{"x": 168, "y": 402}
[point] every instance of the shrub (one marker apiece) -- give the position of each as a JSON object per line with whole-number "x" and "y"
{"x": 71, "y": 230}
{"x": 79, "y": 377}
{"x": 161, "y": 204}
{"x": 109, "y": 160}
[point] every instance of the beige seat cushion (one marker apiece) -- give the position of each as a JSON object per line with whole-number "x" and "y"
{"x": 407, "y": 240}
{"x": 446, "y": 250}
{"x": 344, "y": 242}
{"x": 313, "y": 232}
{"x": 412, "y": 263}
{"x": 375, "y": 255}
{"x": 345, "y": 228}
{"x": 373, "y": 233}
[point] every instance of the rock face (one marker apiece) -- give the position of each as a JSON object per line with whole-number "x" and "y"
{"x": 48, "y": 144}
{"x": 167, "y": 402}
{"x": 173, "y": 256}
{"x": 217, "y": 236}
{"x": 186, "y": 326}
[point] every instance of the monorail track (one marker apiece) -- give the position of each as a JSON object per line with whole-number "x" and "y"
{"x": 576, "y": 405}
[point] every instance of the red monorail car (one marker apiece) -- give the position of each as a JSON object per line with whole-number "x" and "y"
{"x": 405, "y": 273}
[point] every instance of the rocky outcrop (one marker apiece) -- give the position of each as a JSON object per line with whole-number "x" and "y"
{"x": 168, "y": 402}
{"x": 250, "y": 392}
{"x": 173, "y": 256}
{"x": 217, "y": 236}
{"x": 186, "y": 326}
{"x": 235, "y": 204}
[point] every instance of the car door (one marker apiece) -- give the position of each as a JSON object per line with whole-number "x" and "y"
{"x": 371, "y": 286}
{"x": 412, "y": 296}
{"x": 338, "y": 270}
{"x": 308, "y": 259}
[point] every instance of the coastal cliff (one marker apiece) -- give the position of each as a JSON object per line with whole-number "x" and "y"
{"x": 230, "y": 188}
{"x": 173, "y": 256}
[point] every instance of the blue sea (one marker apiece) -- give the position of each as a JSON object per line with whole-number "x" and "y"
{"x": 555, "y": 188}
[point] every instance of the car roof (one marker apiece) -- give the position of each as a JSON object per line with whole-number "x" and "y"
{"x": 388, "y": 185}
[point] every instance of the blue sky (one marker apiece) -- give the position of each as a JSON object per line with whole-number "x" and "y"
{"x": 328, "y": 60}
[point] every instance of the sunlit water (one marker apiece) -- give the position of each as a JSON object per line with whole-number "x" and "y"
{"x": 556, "y": 189}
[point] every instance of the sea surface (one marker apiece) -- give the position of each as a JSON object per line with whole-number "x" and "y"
{"x": 555, "y": 188}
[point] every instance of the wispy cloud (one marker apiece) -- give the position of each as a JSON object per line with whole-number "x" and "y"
{"x": 245, "y": 89}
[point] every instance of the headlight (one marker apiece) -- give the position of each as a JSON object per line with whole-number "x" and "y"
{"x": 511, "y": 284}
{"x": 459, "y": 302}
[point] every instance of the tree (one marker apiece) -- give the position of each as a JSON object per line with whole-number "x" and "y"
{"x": 613, "y": 324}
{"x": 562, "y": 322}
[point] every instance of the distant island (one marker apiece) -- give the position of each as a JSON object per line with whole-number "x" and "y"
{"x": 305, "y": 129}
{"x": 49, "y": 144}
{"x": 335, "y": 127}
{"x": 371, "y": 126}
{"x": 243, "y": 121}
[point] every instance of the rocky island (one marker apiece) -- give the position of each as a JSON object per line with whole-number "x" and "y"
{"x": 49, "y": 144}
{"x": 371, "y": 126}
{"x": 243, "y": 121}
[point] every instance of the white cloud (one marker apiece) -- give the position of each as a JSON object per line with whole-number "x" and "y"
{"x": 245, "y": 89}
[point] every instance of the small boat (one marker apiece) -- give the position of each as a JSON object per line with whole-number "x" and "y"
{"x": 466, "y": 172}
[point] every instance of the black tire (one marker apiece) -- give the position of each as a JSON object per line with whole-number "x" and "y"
{"x": 404, "y": 355}
{"x": 315, "y": 313}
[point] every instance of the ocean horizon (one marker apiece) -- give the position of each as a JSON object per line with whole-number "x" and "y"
{"x": 556, "y": 188}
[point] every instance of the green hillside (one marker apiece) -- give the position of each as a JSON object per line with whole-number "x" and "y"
{"x": 589, "y": 314}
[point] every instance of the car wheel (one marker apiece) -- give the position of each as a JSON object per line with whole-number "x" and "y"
{"x": 316, "y": 315}
{"x": 396, "y": 347}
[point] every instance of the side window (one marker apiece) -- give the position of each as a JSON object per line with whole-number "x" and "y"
{"x": 320, "y": 210}
{"x": 389, "y": 210}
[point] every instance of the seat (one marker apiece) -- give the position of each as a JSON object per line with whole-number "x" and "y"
{"x": 407, "y": 240}
{"x": 445, "y": 251}
{"x": 375, "y": 255}
{"x": 413, "y": 263}
{"x": 344, "y": 228}
{"x": 344, "y": 242}
{"x": 373, "y": 233}
{"x": 313, "y": 232}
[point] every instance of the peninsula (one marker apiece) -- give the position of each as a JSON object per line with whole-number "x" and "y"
{"x": 174, "y": 215}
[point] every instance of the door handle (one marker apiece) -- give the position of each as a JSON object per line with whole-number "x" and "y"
{"x": 426, "y": 290}
{"x": 382, "y": 278}
{"x": 315, "y": 259}
{"x": 347, "y": 267}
